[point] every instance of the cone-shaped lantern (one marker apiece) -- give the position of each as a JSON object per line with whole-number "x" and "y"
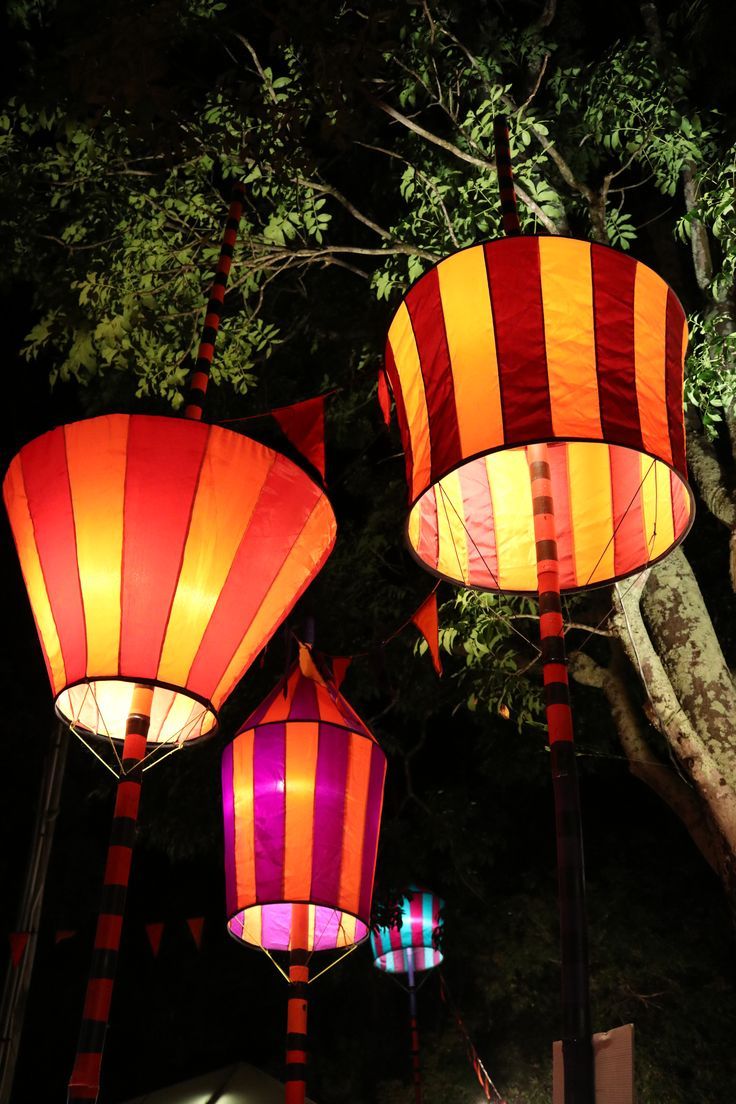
{"x": 538, "y": 384}
{"x": 411, "y": 949}
{"x": 160, "y": 552}
{"x": 302, "y": 789}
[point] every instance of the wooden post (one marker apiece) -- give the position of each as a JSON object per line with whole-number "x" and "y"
{"x": 296, "y": 1024}
{"x": 84, "y": 1083}
{"x": 416, "y": 1071}
{"x": 576, "y": 1021}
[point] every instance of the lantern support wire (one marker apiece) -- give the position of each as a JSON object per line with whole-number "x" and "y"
{"x": 347, "y": 951}
{"x": 73, "y": 728}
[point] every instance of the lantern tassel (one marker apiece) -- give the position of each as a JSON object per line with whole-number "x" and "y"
{"x": 201, "y": 375}
{"x": 296, "y": 1024}
{"x": 576, "y": 1021}
{"x": 84, "y": 1083}
{"x": 509, "y": 210}
{"x": 415, "y": 1061}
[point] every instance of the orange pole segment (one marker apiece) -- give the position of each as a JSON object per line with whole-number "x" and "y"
{"x": 576, "y": 1019}
{"x": 296, "y": 1020}
{"x": 84, "y": 1083}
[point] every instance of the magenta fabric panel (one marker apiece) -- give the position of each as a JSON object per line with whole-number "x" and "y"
{"x": 269, "y": 798}
{"x": 276, "y": 927}
{"x": 372, "y": 825}
{"x": 304, "y": 704}
{"x": 329, "y": 798}
{"x": 326, "y": 928}
{"x": 228, "y": 812}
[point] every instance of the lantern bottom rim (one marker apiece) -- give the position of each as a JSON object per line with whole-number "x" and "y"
{"x": 386, "y": 961}
{"x": 97, "y": 708}
{"x": 266, "y": 925}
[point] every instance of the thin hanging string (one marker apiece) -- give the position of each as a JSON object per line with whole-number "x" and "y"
{"x": 502, "y": 148}
{"x": 201, "y": 374}
{"x": 484, "y": 1078}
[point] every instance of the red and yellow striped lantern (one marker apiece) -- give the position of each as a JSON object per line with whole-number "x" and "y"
{"x": 302, "y": 794}
{"x": 159, "y": 552}
{"x": 541, "y": 339}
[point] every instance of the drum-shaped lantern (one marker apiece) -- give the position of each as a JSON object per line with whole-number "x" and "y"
{"x": 419, "y": 934}
{"x": 532, "y": 340}
{"x": 302, "y": 793}
{"x": 162, "y": 552}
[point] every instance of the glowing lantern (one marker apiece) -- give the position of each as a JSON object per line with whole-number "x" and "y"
{"x": 411, "y": 949}
{"x": 538, "y": 386}
{"x": 302, "y": 793}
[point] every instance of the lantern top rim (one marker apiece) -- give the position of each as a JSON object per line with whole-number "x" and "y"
{"x": 508, "y": 242}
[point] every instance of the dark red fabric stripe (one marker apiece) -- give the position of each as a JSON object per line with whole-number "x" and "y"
{"x": 673, "y": 377}
{"x": 304, "y": 704}
{"x": 46, "y": 479}
{"x": 164, "y": 461}
{"x": 629, "y": 542}
{"x": 518, "y": 321}
{"x": 614, "y": 276}
{"x": 401, "y": 417}
{"x": 424, "y": 304}
{"x": 372, "y": 824}
{"x": 478, "y": 510}
{"x": 331, "y": 776}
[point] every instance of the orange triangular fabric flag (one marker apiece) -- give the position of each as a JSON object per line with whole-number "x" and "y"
{"x": 426, "y": 621}
{"x": 154, "y": 933}
{"x": 63, "y": 934}
{"x": 195, "y": 925}
{"x": 340, "y": 666}
{"x": 304, "y": 425}
{"x": 18, "y": 941}
{"x": 384, "y": 396}
{"x": 307, "y": 665}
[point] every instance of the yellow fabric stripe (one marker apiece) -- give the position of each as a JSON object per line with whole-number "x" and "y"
{"x": 508, "y": 478}
{"x": 567, "y": 301}
{"x": 16, "y": 503}
{"x": 414, "y": 523}
{"x": 591, "y": 512}
{"x": 292, "y": 580}
{"x": 657, "y": 506}
{"x": 245, "y": 856}
{"x": 302, "y": 741}
{"x": 466, "y": 305}
{"x": 452, "y": 537}
{"x": 406, "y": 356}
{"x": 346, "y": 930}
{"x": 650, "y": 332}
{"x": 221, "y": 514}
{"x": 96, "y": 459}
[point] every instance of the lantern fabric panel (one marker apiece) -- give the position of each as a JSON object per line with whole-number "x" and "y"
{"x": 420, "y": 925}
{"x": 302, "y": 800}
{"x": 527, "y": 340}
{"x": 141, "y": 541}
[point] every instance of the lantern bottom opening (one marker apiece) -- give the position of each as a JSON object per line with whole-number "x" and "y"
{"x": 396, "y": 962}
{"x": 99, "y": 708}
{"x": 617, "y": 510}
{"x": 269, "y": 926}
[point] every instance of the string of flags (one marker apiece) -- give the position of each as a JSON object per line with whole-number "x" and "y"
{"x": 18, "y": 941}
{"x": 484, "y": 1078}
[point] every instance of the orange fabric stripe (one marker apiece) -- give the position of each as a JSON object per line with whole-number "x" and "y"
{"x": 567, "y": 300}
{"x": 16, "y": 504}
{"x": 96, "y": 459}
{"x": 245, "y": 858}
{"x": 221, "y": 514}
{"x": 650, "y": 332}
{"x": 288, "y": 586}
{"x": 356, "y": 799}
{"x": 591, "y": 512}
{"x": 404, "y": 348}
{"x": 465, "y": 296}
{"x": 302, "y": 742}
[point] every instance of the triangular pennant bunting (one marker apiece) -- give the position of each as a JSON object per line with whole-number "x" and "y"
{"x": 62, "y": 934}
{"x": 304, "y": 425}
{"x": 426, "y": 621}
{"x": 154, "y": 933}
{"x": 384, "y": 396}
{"x": 195, "y": 925}
{"x": 340, "y": 666}
{"x": 18, "y": 942}
{"x": 307, "y": 665}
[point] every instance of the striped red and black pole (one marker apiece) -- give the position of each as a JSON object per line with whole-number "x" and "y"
{"x": 576, "y": 1020}
{"x": 296, "y": 1021}
{"x": 84, "y": 1083}
{"x": 416, "y": 1070}
{"x": 509, "y": 211}
{"x": 201, "y": 374}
